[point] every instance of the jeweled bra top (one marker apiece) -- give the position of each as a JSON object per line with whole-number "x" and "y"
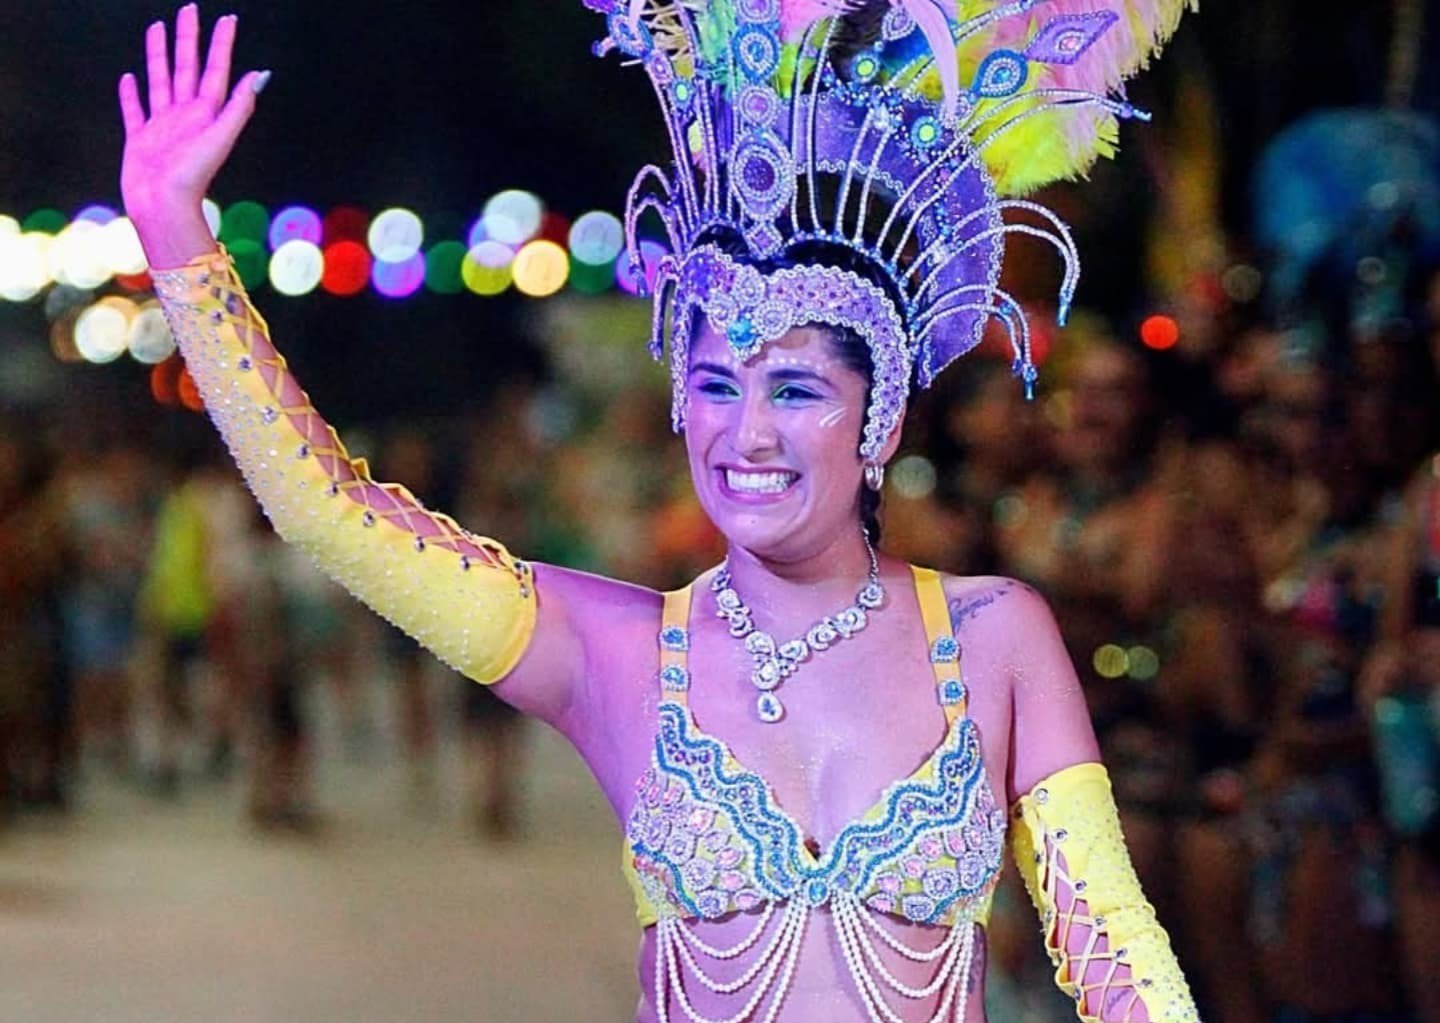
{"x": 706, "y": 837}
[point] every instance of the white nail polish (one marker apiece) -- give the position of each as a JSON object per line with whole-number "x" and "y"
{"x": 257, "y": 85}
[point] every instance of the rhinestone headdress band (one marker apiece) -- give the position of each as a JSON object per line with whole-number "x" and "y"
{"x": 843, "y": 125}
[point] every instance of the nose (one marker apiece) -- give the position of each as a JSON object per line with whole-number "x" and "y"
{"x": 755, "y": 432}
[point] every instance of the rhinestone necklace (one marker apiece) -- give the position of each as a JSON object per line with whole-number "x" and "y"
{"x": 775, "y": 662}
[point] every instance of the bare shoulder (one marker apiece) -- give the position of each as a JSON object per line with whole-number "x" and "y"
{"x": 992, "y": 603}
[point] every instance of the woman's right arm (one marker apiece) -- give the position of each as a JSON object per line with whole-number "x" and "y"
{"x": 463, "y": 596}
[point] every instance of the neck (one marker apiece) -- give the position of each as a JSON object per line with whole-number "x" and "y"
{"x": 832, "y": 573}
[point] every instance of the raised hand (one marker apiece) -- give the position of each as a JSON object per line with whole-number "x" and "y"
{"x": 173, "y": 153}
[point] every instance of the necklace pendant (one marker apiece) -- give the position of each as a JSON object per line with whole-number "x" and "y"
{"x": 769, "y": 707}
{"x": 767, "y": 674}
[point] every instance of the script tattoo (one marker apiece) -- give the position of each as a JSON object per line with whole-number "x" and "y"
{"x": 966, "y": 608}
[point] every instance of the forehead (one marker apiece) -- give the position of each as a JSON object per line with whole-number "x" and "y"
{"x": 808, "y": 344}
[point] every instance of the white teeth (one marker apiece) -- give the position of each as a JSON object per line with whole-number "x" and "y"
{"x": 759, "y": 482}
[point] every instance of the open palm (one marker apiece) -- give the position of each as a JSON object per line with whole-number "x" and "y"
{"x": 173, "y": 153}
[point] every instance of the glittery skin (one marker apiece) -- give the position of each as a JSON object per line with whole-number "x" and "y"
{"x": 461, "y": 595}
{"x": 1109, "y": 952}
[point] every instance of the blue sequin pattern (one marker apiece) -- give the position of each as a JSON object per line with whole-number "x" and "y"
{"x": 707, "y": 837}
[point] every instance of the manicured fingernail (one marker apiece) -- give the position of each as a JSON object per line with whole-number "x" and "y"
{"x": 258, "y": 83}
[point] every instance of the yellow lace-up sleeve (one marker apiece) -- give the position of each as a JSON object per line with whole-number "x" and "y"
{"x": 462, "y": 596}
{"x": 1110, "y": 953}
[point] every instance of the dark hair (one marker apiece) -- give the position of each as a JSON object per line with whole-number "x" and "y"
{"x": 848, "y": 345}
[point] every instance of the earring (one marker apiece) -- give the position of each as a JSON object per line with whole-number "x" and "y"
{"x": 874, "y": 476}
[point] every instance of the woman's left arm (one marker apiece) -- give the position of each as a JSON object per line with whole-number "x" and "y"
{"x": 1110, "y": 954}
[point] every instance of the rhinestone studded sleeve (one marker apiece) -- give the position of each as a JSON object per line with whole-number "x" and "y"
{"x": 1110, "y": 954}
{"x": 462, "y": 596}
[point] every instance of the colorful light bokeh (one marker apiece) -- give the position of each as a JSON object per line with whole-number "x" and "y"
{"x": 345, "y": 252}
{"x": 399, "y": 279}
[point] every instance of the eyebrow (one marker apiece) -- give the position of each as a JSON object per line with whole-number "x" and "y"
{"x": 782, "y": 375}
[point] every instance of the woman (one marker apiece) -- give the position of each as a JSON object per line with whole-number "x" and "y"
{"x": 771, "y": 880}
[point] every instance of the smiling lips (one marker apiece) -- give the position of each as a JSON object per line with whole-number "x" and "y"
{"x": 757, "y": 482}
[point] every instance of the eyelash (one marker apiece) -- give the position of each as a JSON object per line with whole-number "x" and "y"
{"x": 784, "y": 393}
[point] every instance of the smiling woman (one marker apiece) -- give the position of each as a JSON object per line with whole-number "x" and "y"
{"x": 778, "y": 875}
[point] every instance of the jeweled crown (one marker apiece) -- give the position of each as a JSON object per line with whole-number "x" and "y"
{"x": 845, "y": 123}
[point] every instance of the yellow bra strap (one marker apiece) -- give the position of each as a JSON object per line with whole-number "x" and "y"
{"x": 944, "y": 651}
{"x": 675, "y": 647}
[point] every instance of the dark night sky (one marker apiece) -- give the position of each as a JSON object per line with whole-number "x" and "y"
{"x": 440, "y": 109}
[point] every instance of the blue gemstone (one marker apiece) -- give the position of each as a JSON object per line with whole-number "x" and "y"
{"x": 741, "y": 334}
{"x": 675, "y": 678}
{"x": 674, "y": 638}
{"x": 816, "y": 892}
{"x": 945, "y": 650}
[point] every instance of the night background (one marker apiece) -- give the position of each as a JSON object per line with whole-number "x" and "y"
{"x": 119, "y": 902}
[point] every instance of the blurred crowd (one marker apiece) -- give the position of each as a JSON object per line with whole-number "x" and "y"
{"x": 1240, "y": 537}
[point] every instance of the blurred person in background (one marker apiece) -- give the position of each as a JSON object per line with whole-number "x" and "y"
{"x": 1320, "y": 906}
{"x": 107, "y": 522}
{"x": 35, "y": 704}
{"x": 787, "y": 438}
{"x": 1402, "y": 692}
{"x": 272, "y": 620}
{"x": 977, "y": 436}
{"x": 1089, "y": 531}
{"x": 176, "y": 606}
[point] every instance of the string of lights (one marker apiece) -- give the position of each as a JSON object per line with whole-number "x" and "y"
{"x": 295, "y": 251}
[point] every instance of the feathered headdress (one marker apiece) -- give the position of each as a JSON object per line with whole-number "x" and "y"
{"x": 901, "y": 133}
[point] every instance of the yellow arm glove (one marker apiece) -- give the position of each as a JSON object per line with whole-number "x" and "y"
{"x": 461, "y": 595}
{"x": 1109, "y": 952}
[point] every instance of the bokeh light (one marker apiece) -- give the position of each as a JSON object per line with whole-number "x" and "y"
{"x": 97, "y": 213}
{"x": 120, "y": 246}
{"x": 347, "y": 268}
{"x": 592, "y": 280}
{"x": 248, "y": 221}
{"x": 487, "y": 269}
{"x": 513, "y": 217}
{"x": 913, "y": 477}
{"x": 345, "y": 224}
{"x": 165, "y": 381}
{"x": 1111, "y": 661}
{"x": 651, "y": 252}
{"x": 9, "y": 226}
{"x": 541, "y": 269}
{"x": 477, "y": 234}
{"x": 62, "y": 340}
{"x": 395, "y": 235}
{"x": 399, "y": 280}
{"x": 296, "y": 267}
{"x": 1160, "y": 333}
{"x": 554, "y": 228}
{"x": 189, "y": 394}
{"x": 24, "y": 265}
{"x": 45, "y": 221}
{"x": 150, "y": 341}
{"x": 596, "y": 238}
{"x": 252, "y": 263}
{"x": 442, "y": 268}
{"x": 1144, "y": 663}
{"x": 295, "y": 223}
{"x": 101, "y": 333}
{"x": 77, "y": 257}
